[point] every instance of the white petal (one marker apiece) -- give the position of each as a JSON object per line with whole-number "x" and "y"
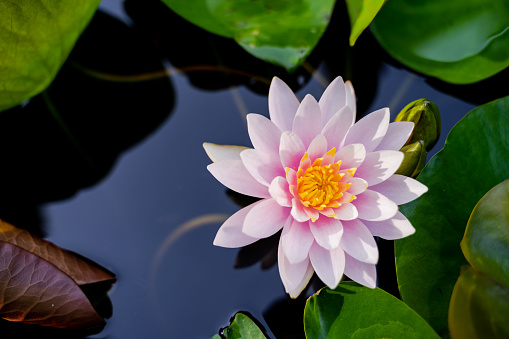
{"x": 317, "y": 148}
{"x": 262, "y": 166}
{"x": 370, "y": 130}
{"x": 279, "y": 190}
{"x": 264, "y": 135}
{"x": 329, "y": 265}
{"x": 234, "y": 175}
{"x": 295, "y": 277}
{"x": 283, "y": 104}
{"x": 333, "y": 99}
{"x": 374, "y": 206}
{"x": 360, "y": 272}
{"x": 291, "y": 150}
{"x": 394, "y": 228}
{"x": 308, "y": 120}
{"x": 346, "y": 211}
{"x": 400, "y": 189}
{"x": 396, "y": 136}
{"x": 296, "y": 239}
{"x": 265, "y": 219}
{"x": 230, "y": 234}
{"x": 298, "y": 211}
{"x": 379, "y": 166}
{"x": 351, "y": 156}
{"x": 358, "y": 242}
{"x": 358, "y": 186}
{"x": 337, "y": 127}
{"x": 223, "y": 152}
{"x": 350, "y": 98}
{"x": 327, "y": 232}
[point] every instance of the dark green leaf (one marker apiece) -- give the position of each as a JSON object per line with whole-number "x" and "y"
{"x": 472, "y": 162}
{"x": 242, "y": 327}
{"x": 479, "y": 307}
{"x": 459, "y": 41}
{"x": 361, "y": 13}
{"x": 36, "y": 38}
{"x": 353, "y": 311}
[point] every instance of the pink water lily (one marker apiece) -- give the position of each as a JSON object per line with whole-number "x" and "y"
{"x": 325, "y": 180}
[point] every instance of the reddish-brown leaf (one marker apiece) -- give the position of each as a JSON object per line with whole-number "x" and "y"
{"x": 80, "y": 270}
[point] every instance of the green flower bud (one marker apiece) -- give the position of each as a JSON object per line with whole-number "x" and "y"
{"x": 414, "y": 160}
{"x": 426, "y": 117}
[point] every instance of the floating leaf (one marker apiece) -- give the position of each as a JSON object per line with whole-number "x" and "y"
{"x": 354, "y": 311}
{"x": 39, "y": 282}
{"x": 458, "y": 41}
{"x": 282, "y": 32}
{"x": 473, "y": 161}
{"x": 242, "y": 327}
{"x": 37, "y": 36}
{"x": 361, "y": 13}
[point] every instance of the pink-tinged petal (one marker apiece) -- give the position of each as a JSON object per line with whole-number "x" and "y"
{"x": 370, "y": 130}
{"x": 337, "y": 127}
{"x": 327, "y": 211}
{"x": 346, "y": 211}
{"x": 296, "y": 239}
{"x": 283, "y": 104}
{"x": 379, "y": 166}
{"x": 308, "y": 120}
{"x": 350, "y": 98}
{"x": 327, "y": 232}
{"x": 395, "y": 228}
{"x": 291, "y": 177}
{"x": 329, "y": 157}
{"x": 351, "y": 156}
{"x": 329, "y": 265}
{"x": 265, "y": 219}
{"x": 262, "y": 166}
{"x": 223, "y": 152}
{"x": 298, "y": 212}
{"x": 317, "y": 148}
{"x": 312, "y": 212}
{"x": 373, "y": 206}
{"x": 291, "y": 150}
{"x": 279, "y": 191}
{"x": 396, "y": 136}
{"x": 357, "y": 185}
{"x": 264, "y": 135}
{"x": 400, "y": 189}
{"x": 360, "y": 272}
{"x": 234, "y": 175}
{"x": 333, "y": 99}
{"x": 358, "y": 242}
{"x": 295, "y": 277}
{"x": 230, "y": 233}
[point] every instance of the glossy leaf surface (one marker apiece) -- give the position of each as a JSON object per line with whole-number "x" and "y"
{"x": 457, "y": 41}
{"x": 361, "y": 14}
{"x": 479, "y": 307}
{"x": 278, "y": 31}
{"x": 473, "y": 161}
{"x": 36, "y": 38}
{"x": 242, "y": 326}
{"x": 354, "y": 311}
{"x": 39, "y": 282}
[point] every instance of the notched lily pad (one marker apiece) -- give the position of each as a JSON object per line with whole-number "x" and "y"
{"x": 40, "y": 282}
{"x": 242, "y": 326}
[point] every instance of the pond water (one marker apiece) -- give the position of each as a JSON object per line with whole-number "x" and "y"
{"x": 123, "y": 179}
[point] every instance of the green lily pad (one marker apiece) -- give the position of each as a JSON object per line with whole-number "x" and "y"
{"x": 282, "y": 32}
{"x": 36, "y": 38}
{"x": 361, "y": 14}
{"x": 354, "y": 311}
{"x": 458, "y": 41}
{"x": 479, "y": 307}
{"x": 242, "y": 327}
{"x": 473, "y": 161}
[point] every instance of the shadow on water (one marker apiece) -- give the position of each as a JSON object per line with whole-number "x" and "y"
{"x": 70, "y": 136}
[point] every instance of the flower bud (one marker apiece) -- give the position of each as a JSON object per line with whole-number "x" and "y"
{"x": 414, "y": 160}
{"x": 426, "y": 117}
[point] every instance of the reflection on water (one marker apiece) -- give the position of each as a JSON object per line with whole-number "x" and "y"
{"x": 146, "y": 174}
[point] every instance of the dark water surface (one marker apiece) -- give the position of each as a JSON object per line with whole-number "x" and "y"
{"x": 139, "y": 199}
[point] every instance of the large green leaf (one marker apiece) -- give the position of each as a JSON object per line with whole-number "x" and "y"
{"x": 283, "y": 32}
{"x": 36, "y": 37}
{"x": 459, "y": 41}
{"x": 242, "y": 327}
{"x": 361, "y": 13}
{"x": 353, "y": 311}
{"x": 473, "y": 161}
